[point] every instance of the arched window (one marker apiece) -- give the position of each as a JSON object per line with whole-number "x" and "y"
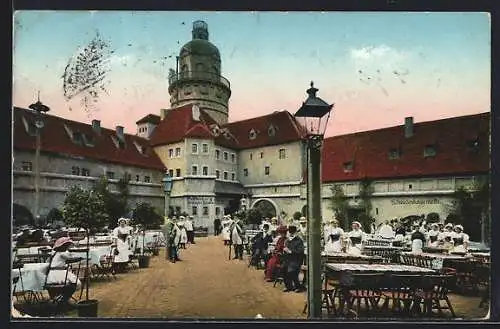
{"x": 21, "y": 215}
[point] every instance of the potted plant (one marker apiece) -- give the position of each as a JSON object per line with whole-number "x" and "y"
{"x": 85, "y": 209}
{"x": 146, "y": 216}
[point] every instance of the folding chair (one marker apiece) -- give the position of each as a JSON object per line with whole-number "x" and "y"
{"x": 106, "y": 267}
{"x": 58, "y": 292}
{"x": 434, "y": 290}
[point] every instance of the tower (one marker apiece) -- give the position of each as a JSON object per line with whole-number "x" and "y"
{"x": 197, "y": 78}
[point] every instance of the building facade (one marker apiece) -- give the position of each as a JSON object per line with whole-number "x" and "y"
{"x": 217, "y": 166}
{"x": 74, "y": 153}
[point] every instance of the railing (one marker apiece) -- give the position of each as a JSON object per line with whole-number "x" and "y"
{"x": 198, "y": 75}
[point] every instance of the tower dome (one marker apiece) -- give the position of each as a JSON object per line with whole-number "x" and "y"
{"x": 197, "y": 78}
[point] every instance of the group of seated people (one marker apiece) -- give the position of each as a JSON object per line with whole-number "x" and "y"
{"x": 285, "y": 259}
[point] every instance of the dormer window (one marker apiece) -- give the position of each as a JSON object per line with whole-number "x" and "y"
{"x": 348, "y": 166}
{"x": 473, "y": 145}
{"x": 118, "y": 143}
{"x": 271, "y": 131}
{"x": 252, "y": 134}
{"x": 77, "y": 138}
{"x": 429, "y": 151}
{"x": 142, "y": 150}
{"x": 88, "y": 140}
{"x": 29, "y": 127}
{"x": 394, "y": 154}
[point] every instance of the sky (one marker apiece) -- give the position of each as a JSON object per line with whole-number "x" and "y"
{"x": 375, "y": 67}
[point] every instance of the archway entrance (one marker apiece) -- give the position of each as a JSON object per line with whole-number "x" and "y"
{"x": 21, "y": 215}
{"x": 266, "y": 208}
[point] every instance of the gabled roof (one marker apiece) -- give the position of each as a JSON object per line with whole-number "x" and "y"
{"x": 150, "y": 118}
{"x": 55, "y": 137}
{"x": 276, "y": 128}
{"x": 176, "y": 125}
{"x": 369, "y": 151}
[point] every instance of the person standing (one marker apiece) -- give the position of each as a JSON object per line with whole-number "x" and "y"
{"x": 237, "y": 236}
{"x": 175, "y": 238}
{"x": 166, "y": 229}
{"x": 188, "y": 224}
{"x": 217, "y": 225}
{"x": 184, "y": 236}
{"x": 121, "y": 235}
{"x": 294, "y": 250}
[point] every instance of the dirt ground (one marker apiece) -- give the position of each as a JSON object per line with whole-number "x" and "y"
{"x": 205, "y": 284}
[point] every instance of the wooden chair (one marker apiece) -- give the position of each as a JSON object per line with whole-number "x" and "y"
{"x": 363, "y": 288}
{"x": 434, "y": 289}
{"x": 400, "y": 292}
{"x": 18, "y": 280}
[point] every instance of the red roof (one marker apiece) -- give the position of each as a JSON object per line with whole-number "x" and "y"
{"x": 150, "y": 118}
{"x": 369, "y": 150}
{"x": 272, "y": 129}
{"x": 54, "y": 138}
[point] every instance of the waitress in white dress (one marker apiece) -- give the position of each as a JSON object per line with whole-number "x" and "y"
{"x": 183, "y": 232}
{"x": 356, "y": 237}
{"x": 333, "y": 243}
{"x": 460, "y": 239}
{"x": 121, "y": 236}
{"x": 433, "y": 235}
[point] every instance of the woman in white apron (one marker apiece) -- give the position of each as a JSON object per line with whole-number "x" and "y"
{"x": 460, "y": 239}
{"x": 356, "y": 237}
{"x": 183, "y": 239}
{"x": 121, "y": 236}
{"x": 433, "y": 235}
{"x": 333, "y": 243}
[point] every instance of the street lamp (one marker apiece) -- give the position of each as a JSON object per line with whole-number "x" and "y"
{"x": 39, "y": 108}
{"x": 167, "y": 188}
{"x": 313, "y": 116}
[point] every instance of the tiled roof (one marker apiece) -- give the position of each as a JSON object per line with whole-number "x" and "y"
{"x": 55, "y": 138}
{"x": 173, "y": 127}
{"x": 150, "y": 118}
{"x": 369, "y": 151}
{"x": 272, "y": 129}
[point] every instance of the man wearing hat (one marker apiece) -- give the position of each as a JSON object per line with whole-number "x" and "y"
{"x": 56, "y": 273}
{"x": 166, "y": 229}
{"x": 237, "y": 236}
{"x": 302, "y": 228}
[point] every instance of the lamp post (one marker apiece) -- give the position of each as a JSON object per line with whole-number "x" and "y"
{"x": 39, "y": 108}
{"x": 167, "y": 188}
{"x": 313, "y": 116}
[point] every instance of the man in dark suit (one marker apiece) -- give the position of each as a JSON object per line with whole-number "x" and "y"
{"x": 294, "y": 257}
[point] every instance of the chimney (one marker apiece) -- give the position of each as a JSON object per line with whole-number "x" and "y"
{"x": 119, "y": 132}
{"x": 408, "y": 127}
{"x": 96, "y": 125}
{"x": 163, "y": 113}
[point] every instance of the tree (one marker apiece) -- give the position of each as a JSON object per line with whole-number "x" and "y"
{"x": 85, "y": 209}
{"x": 145, "y": 215}
{"x": 432, "y": 217}
{"x": 365, "y": 193}
{"x": 55, "y": 217}
{"x": 297, "y": 215}
{"x": 339, "y": 205}
{"x": 471, "y": 207}
{"x": 115, "y": 204}
{"x": 254, "y": 216}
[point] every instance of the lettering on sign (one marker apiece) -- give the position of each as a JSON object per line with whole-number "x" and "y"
{"x": 398, "y": 202}
{"x": 201, "y": 200}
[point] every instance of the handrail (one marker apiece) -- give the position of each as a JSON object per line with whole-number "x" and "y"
{"x": 194, "y": 75}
